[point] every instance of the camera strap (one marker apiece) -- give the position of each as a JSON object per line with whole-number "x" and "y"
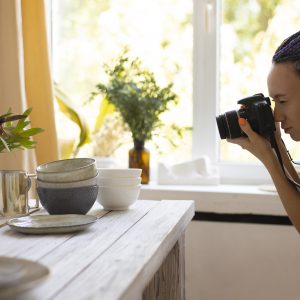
{"x": 276, "y": 148}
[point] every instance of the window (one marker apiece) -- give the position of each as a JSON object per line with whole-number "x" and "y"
{"x": 234, "y": 42}
{"x": 88, "y": 34}
{"x": 215, "y": 51}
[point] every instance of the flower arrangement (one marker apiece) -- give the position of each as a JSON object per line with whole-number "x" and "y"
{"x": 15, "y": 135}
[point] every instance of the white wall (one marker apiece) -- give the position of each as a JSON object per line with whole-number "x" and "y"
{"x": 231, "y": 261}
{"x": 236, "y": 260}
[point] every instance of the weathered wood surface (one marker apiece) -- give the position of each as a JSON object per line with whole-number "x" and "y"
{"x": 168, "y": 281}
{"x": 114, "y": 259}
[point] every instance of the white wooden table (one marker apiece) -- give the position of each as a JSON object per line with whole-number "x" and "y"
{"x": 133, "y": 254}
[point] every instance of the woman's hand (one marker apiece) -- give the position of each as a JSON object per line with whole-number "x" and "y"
{"x": 254, "y": 143}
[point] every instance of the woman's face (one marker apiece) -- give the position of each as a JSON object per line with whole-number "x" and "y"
{"x": 284, "y": 89}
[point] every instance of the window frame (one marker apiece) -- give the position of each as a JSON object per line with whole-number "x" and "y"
{"x": 207, "y": 16}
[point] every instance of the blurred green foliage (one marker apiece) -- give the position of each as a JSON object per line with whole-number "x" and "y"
{"x": 248, "y": 26}
{"x": 16, "y": 135}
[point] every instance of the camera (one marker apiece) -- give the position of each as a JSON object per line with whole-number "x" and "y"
{"x": 256, "y": 109}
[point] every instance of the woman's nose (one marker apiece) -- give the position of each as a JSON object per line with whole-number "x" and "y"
{"x": 278, "y": 116}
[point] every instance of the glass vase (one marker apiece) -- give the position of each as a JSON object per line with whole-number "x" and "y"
{"x": 139, "y": 157}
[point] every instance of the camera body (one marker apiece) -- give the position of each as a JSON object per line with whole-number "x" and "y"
{"x": 256, "y": 109}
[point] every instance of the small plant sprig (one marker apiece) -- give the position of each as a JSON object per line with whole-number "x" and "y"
{"x": 15, "y": 135}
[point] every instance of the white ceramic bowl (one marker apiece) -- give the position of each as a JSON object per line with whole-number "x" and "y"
{"x": 67, "y": 170}
{"x": 120, "y": 173}
{"x": 66, "y": 185}
{"x": 118, "y": 181}
{"x": 118, "y": 198}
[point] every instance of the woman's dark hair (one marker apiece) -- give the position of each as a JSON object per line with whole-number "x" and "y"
{"x": 289, "y": 50}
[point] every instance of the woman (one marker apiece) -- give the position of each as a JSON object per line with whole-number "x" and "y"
{"x": 284, "y": 89}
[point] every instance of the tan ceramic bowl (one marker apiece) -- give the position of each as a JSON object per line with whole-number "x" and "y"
{"x": 67, "y": 170}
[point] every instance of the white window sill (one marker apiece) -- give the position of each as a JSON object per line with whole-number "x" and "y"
{"x": 222, "y": 198}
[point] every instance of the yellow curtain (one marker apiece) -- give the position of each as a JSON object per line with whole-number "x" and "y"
{"x": 25, "y": 78}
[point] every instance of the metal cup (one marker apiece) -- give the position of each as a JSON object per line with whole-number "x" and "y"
{"x": 14, "y": 187}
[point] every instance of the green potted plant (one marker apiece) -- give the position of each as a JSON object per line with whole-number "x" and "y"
{"x": 136, "y": 95}
{"x": 16, "y": 135}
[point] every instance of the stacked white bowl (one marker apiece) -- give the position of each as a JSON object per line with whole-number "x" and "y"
{"x": 118, "y": 188}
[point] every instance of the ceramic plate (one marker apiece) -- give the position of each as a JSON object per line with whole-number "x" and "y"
{"x": 18, "y": 275}
{"x": 40, "y": 224}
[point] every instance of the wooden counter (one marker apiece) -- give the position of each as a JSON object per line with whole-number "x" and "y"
{"x": 133, "y": 254}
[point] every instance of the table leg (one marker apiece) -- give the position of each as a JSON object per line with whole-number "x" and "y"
{"x": 169, "y": 281}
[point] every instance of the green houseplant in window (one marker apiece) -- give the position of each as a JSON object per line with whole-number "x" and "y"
{"x": 136, "y": 95}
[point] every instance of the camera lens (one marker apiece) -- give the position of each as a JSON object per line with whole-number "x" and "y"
{"x": 228, "y": 125}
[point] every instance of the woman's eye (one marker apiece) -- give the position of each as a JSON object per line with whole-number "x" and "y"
{"x": 277, "y": 101}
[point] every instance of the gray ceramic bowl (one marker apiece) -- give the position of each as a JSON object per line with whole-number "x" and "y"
{"x": 67, "y": 170}
{"x": 59, "y": 201}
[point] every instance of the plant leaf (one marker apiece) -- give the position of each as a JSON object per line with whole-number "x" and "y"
{"x": 106, "y": 108}
{"x": 31, "y": 131}
{"x": 66, "y": 107}
{"x": 4, "y": 144}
